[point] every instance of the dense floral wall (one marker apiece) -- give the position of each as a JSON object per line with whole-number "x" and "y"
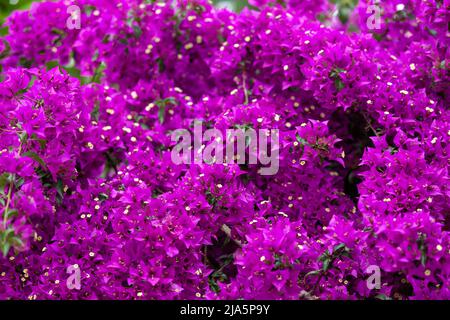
{"x": 358, "y": 91}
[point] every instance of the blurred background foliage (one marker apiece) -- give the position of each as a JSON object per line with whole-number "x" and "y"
{"x": 7, "y": 6}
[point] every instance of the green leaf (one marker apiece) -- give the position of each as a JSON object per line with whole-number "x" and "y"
{"x": 212, "y": 200}
{"x": 382, "y": 296}
{"x": 323, "y": 256}
{"x": 339, "y": 247}
{"x": 9, "y": 239}
{"x": 95, "y": 112}
{"x": 16, "y": 242}
{"x": 23, "y": 137}
{"x": 161, "y": 113}
{"x": 423, "y": 259}
{"x": 5, "y": 179}
{"x": 35, "y": 157}
{"x": 432, "y": 32}
{"x": 123, "y": 41}
{"x": 42, "y": 142}
{"x": 302, "y": 141}
{"x": 98, "y": 74}
{"x": 156, "y": 192}
{"x": 5, "y": 248}
{"x": 60, "y": 188}
{"x": 162, "y": 104}
{"x": 393, "y": 150}
{"x": 24, "y": 62}
{"x": 335, "y": 74}
{"x": 103, "y": 196}
{"x": 421, "y": 244}
{"x": 58, "y": 32}
{"x": 6, "y": 50}
{"x": 137, "y": 31}
{"x": 338, "y": 84}
{"x": 313, "y": 273}
{"x": 11, "y": 213}
{"x": 326, "y": 264}
{"x": 6, "y": 234}
{"x": 19, "y": 181}
{"x": 89, "y": 9}
{"x": 95, "y": 56}
{"x": 51, "y": 64}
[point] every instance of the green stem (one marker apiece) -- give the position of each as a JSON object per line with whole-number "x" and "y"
{"x": 369, "y": 123}
{"x": 244, "y": 86}
{"x": 8, "y": 199}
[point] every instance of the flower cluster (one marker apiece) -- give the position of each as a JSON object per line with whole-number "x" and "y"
{"x": 86, "y": 177}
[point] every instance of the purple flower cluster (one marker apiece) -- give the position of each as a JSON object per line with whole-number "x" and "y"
{"x": 87, "y": 181}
